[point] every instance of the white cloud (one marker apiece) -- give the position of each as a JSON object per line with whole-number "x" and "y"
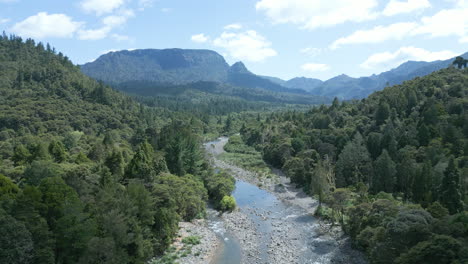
{"x": 311, "y": 14}
{"x": 386, "y": 60}
{"x": 199, "y": 38}
{"x": 43, "y": 25}
{"x": 233, "y": 27}
{"x": 109, "y": 23}
{"x": 119, "y": 19}
{"x": 315, "y": 67}
{"x": 4, "y": 20}
{"x": 101, "y": 7}
{"x": 377, "y": 34}
{"x": 248, "y": 46}
{"x": 447, "y": 22}
{"x": 311, "y": 52}
{"x": 94, "y": 34}
{"x": 395, "y": 7}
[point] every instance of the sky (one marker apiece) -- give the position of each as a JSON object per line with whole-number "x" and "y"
{"x": 281, "y": 38}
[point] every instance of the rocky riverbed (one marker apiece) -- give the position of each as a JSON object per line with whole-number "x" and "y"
{"x": 275, "y": 225}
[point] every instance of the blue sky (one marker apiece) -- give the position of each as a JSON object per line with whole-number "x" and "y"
{"x": 282, "y": 38}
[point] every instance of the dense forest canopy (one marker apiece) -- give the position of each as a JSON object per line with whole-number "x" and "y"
{"x": 392, "y": 168}
{"x": 92, "y": 175}
{"x": 87, "y": 174}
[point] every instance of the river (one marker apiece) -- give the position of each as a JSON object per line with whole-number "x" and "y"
{"x": 274, "y": 225}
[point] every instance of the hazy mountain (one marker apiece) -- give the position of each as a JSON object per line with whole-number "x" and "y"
{"x": 346, "y": 87}
{"x": 238, "y": 75}
{"x": 171, "y": 67}
{"x": 167, "y": 66}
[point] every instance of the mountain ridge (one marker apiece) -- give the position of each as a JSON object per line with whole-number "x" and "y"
{"x": 183, "y": 66}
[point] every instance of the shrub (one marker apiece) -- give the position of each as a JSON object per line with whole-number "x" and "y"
{"x": 228, "y": 203}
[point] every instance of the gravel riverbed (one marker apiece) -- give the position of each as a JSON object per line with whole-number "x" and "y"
{"x": 287, "y": 240}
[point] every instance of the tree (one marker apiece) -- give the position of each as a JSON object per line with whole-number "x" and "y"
{"x": 384, "y": 175}
{"x": 354, "y": 163}
{"x": 450, "y": 189}
{"x": 422, "y": 185}
{"x": 15, "y": 240}
{"x": 21, "y": 155}
{"x": 57, "y": 150}
{"x": 228, "y": 203}
{"x": 460, "y": 62}
{"x": 382, "y": 113}
{"x": 440, "y": 249}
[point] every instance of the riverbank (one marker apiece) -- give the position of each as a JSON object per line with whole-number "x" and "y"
{"x": 285, "y": 231}
{"x": 196, "y": 243}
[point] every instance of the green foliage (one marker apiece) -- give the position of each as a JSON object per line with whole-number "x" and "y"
{"x": 406, "y": 144}
{"x": 17, "y": 245}
{"x": 228, "y": 203}
{"x": 84, "y": 169}
{"x": 191, "y": 240}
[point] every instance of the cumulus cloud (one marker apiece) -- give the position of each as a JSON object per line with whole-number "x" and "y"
{"x": 233, "y": 27}
{"x": 248, "y": 45}
{"x": 199, "y": 38}
{"x": 445, "y": 23}
{"x": 386, "y": 60}
{"x": 43, "y": 25}
{"x": 109, "y": 23}
{"x": 100, "y": 7}
{"x": 377, "y": 34}
{"x": 93, "y": 34}
{"x": 311, "y": 14}
{"x": 395, "y": 7}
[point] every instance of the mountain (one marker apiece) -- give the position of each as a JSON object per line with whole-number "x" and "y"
{"x": 238, "y": 75}
{"x": 345, "y": 87}
{"x": 307, "y": 84}
{"x": 167, "y": 66}
{"x": 175, "y": 67}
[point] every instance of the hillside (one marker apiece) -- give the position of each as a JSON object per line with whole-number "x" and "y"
{"x": 87, "y": 174}
{"x": 392, "y": 168}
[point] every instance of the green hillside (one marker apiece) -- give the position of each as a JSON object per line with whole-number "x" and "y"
{"x": 87, "y": 174}
{"x": 393, "y": 168}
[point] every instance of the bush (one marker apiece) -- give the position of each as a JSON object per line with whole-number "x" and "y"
{"x": 228, "y": 203}
{"x": 191, "y": 240}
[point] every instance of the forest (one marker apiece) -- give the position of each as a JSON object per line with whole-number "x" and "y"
{"x": 391, "y": 169}
{"x": 87, "y": 174}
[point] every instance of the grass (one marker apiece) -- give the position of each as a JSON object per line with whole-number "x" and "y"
{"x": 247, "y": 157}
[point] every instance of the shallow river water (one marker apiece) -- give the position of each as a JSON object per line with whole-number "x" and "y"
{"x": 280, "y": 226}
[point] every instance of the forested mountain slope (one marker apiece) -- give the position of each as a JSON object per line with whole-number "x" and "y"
{"x": 393, "y": 168}
{"x": 88, "y": 175}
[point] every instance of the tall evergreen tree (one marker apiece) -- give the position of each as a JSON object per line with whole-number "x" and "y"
{"x": 450, "y": 189}
{"x": 384, "y": 175}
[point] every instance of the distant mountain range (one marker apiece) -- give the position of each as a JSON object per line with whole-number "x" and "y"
{"x": 176, "y": 67}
